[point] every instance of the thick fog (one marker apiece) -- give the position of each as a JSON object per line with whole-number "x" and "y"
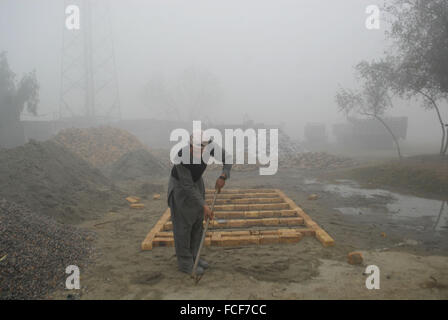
{"x": 277, "y": 61}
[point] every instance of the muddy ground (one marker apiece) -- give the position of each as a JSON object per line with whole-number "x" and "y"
{"x": 405, "y": 237}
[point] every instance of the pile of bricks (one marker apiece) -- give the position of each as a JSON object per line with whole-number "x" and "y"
{"x": 134, "y": 202}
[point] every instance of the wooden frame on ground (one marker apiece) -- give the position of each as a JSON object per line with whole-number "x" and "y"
{"x": 247, "y": 208}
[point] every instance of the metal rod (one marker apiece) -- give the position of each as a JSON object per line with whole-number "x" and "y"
{"x": 196, "y": 262}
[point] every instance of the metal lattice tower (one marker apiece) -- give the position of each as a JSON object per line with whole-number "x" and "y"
{"x": 89, "y": 85}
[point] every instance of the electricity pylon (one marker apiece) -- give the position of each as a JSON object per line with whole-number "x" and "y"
{"x": 89, "y": 85}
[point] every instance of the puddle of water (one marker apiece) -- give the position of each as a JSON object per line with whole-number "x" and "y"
{"x": 398, "y": 207}
{"x": 310, "y": 181}
{"x": 347, "y": 191}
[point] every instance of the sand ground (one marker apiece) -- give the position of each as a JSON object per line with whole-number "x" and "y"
{"x": 413, "y": 263}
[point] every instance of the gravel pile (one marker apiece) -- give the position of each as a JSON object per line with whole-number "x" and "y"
{"x": 35, "y": 250}
{"x": 99, "y": 146}
{"x": 53, "y": 181}
{"x": 316, "y": 160}
{"x": 136, "y": 164}
{"x": 287, "y": 146}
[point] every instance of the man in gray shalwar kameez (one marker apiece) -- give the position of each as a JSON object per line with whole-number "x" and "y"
{"x": 186, "y": 199}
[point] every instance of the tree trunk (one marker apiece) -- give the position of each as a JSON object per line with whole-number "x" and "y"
{"x": 392, "y": 134}
{"x": 444, "y": 134}
{"x": 444, "y": 142}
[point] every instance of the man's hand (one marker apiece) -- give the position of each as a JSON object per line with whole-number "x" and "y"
{"x": 220, "y": 183}
{"x": 208, "y": 214}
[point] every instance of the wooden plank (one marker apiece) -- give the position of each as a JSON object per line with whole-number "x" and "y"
{"x": 255, "y": 214}
{"x": 147, "y": 243}
{"x": 324, "y": 238}
{"x": 278, "y": 232}
{"x": 236, "y": 240}
{"x": 269, "y": 239}
{"x": 320, "y": 233}
{"x": 237, "y": 191}
{"x": 133, "y": 199}
{"x": 294, "y": 206}
{"x": 238, "y": 233}
{"x": 242, "y": 195}
{"x": 235, "y": 233}
{"x": 249, "y": 207}
{"x": 292, "y": 238}
{"x": 239, "y": 241}
{"x": 245, "y": 201}
{"x": 215, "y": 238}
{"x": 169, "y": 234}
{"x": 240, "y": 223}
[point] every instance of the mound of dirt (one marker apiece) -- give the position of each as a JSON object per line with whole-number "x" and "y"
{"x": 136, "y": 164}
{"x": 302, "y": 160}
{"x": 425, "y": 175}
{"x": 316, "y": 160}
{"x": 148, "y": 189}
{"x": 288, "y": 146}
{"x": 99, "y": 146}
{"x": 35, "y": 251}
{"x": 53, "y": 181}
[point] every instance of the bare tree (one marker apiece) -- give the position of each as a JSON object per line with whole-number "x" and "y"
{"x": 192, "y": 96}
{"x": 409, "y": 82}
{"x": 197, "y": 91}
{"x": 371, "y": 100}
{"x": 419, "y": 31}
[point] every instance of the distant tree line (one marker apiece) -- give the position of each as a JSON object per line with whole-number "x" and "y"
{"x": 14, "y": 98}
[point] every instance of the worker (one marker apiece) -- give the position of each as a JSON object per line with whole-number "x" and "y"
{"x": 186, "y": 199}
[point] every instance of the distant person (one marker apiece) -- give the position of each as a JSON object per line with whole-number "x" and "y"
{"x": 186, "y": 199}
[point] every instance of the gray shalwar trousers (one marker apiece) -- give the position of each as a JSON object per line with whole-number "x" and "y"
{"x": 187, "y": 217}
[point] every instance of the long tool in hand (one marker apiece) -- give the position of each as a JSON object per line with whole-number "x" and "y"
{"x": 193, "y": 274}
